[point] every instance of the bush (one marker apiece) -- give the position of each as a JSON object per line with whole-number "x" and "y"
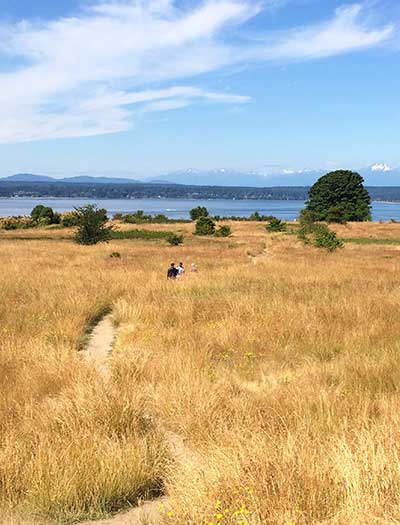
{"x": 44, "y": 215}
{"x": 223, "y": 231}
{"x": 276, "y": 225}
{"x": 307, "y": 217}
{"x": 320, "y": 236}
{"x": 92, "y": 225}
{"x": 115, "y": 255}
{"x": 205, "y": 226}
{"x": 260, "y": 218}
{"x": 69, "y": 218}
{"x": 174, "y": 239}
{"x": 197, "y": 213}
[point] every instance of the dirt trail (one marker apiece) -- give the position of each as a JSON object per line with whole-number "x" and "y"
{"x": 148, "y": 513}
{"x": 100, "y": 346}
{"x": 97, "y": 352}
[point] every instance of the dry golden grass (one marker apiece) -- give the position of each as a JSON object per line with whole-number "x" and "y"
{"x": 281, "y": 376}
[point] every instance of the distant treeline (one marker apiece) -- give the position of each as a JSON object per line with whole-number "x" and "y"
{"x": 168, "y": 191}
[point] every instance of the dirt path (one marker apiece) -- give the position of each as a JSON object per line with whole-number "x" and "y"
{"x": 97, "y": 352}
{"x": 100, "y": 346}
{"x": 148, "y": 513}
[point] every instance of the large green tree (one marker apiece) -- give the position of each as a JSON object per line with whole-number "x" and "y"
{"x": 340, "y": 196}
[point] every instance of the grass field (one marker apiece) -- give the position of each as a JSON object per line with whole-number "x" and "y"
{"x": 280, "y": 373}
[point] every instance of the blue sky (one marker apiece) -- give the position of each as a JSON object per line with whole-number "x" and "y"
{"x": 143, "y": 87}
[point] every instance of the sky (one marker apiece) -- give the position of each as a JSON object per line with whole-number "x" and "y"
{"x": 137, "y": 88}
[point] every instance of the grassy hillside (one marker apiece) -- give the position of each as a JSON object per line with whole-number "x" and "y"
{"x": 279, "y": 372}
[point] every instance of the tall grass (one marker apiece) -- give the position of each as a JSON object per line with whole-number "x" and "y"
{"x": 280, "y": 377}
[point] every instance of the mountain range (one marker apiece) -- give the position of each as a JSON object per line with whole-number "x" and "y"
{"x": 379, "y": 174}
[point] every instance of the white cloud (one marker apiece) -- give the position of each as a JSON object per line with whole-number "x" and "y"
{"x": 381, "y": 167}
{"x": 345, "y": 32}
{"x": 90, "y": 74}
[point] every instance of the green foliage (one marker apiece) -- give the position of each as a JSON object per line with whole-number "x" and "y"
{"x": 257, "y": 217}
{"x": 69, "y": 218}
{"x": 147, "y": 235}
{"x": 276, "y": 225}
{"x": 197, "y": 213}
{"x": 115, "y": 255}
{"x": 320, "y": 236}
{"x": 139, "y": 217}
{"x": 92, "y": 225}
{"x": 223, "y": 231}
{"x": 340, "y": 194}
{"x": 205, "y": 226}
{"x": 174, "y": 239}
{"x": 307, "y": 217}
{"x": 44, "y": 215}
{"x": 336, "y": 214}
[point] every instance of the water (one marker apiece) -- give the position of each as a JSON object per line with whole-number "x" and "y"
{"x": 179, "y": 208}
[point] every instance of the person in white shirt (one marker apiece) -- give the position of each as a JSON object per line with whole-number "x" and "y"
{"x": 181, "y": 269}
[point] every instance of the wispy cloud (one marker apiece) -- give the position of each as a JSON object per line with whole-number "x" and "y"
{"x": 90, "y": 74}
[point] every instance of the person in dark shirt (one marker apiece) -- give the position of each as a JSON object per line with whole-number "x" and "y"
{"x": 172, "y": 272}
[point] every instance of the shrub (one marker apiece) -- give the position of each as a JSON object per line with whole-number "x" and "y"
{"x": 275, "y": 225}
{"x": 326, "y": 238}
{"x": 320, "y": 236}
{"x": 115, "y": 255}
{"x": 307, "y": 216}
{"x": 44, "y": 215}
{"x": 223, "y": 231}
{"x": 92, "y": 225}
{"x": 205, "y": 226}
{"x": 174, "y": 239}
{"x": 197, "y": 213}
{"x": 69, "y": 218}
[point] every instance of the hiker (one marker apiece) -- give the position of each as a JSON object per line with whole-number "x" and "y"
{"x": 181, "y": 269}
{"x": 193, "y": 268}
{"x": 172, "y": 272}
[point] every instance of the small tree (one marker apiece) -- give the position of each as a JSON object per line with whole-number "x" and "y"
{"x": 92, "y": 225}
{"x": 340, "y": 189}
{"x": 276, "y": 225}
{"x": 200, "y": 211}
{"x": 205, "y": 226}
{"x": 37, "y": 211}
{"x": 44, "y": 215}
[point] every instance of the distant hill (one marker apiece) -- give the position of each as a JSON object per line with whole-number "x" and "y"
{"x": 29, "y": 177}
{"x": 100, "y": 180}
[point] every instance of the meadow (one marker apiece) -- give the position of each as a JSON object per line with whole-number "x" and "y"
{"x": 276, "y": 364}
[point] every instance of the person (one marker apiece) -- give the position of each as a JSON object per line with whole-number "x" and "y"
{"x": 172, "y": 272}
{"x": 193, "y": 268}
{"x": 181, "y": 269}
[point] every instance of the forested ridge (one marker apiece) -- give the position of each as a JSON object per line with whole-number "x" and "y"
{"x": 169, "y": 191}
